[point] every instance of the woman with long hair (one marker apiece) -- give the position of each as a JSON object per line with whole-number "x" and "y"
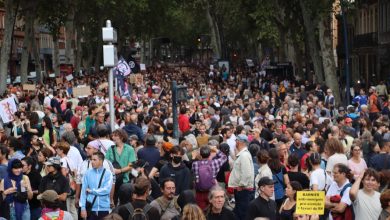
{"x": 16, "y": 190}
{"x": 43, "y": 155}
{"x": 49, "y": 135}
{"x": 335, "y": 151}
{"x": 279, "y": 174}
{"x": 287, "y": 209}
{"x": 192, "y": 212}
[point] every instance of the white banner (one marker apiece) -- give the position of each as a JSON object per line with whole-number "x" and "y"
{"x": 7, "y": 109}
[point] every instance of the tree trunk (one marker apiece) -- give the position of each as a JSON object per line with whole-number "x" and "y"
{"x": 312, "y": 42}
{"x": 36, "y": 54}
{"x": 26, "y": 46}
{"x": 283, "y": 45}
{"x": 214, "y": 29}
{"x": 69, "y": 32}
{"x": 328, "y": 57}
{"x": 9, "y": 22}
{"x": 98, "y": 55}
{"x": 297, "y": 55}
{"x": 89, "y": 58}
{"x": 56, "y": 62}
{"x": 78, "y": 51}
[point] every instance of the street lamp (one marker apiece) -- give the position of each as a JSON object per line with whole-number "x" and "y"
{"x": 110, "y": 59}
{"x": 343, "y": 5}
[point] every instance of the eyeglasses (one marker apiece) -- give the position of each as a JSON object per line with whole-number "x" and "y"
{"x": 356, "y": 149}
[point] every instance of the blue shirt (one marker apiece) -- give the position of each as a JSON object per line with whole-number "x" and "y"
{"x": 150, "y": 154}
{"x": 91, "y": 181}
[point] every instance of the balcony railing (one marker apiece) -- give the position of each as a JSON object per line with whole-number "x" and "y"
{"x": 366, "y": 40}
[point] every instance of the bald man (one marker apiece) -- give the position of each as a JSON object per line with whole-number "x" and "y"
{"x": 297, "y": 146}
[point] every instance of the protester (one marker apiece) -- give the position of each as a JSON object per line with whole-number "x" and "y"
{"x": 96, "y": 188}
{"x": 287, "y": 210}
{"x": 217, "y": 209}
{"x": 263, "y": 206}
{"x": 35, "y": 179}
{"x": 51, "y": 208}
{"x": 167, "y": 203}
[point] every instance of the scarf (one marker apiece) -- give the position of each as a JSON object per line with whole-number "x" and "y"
{"x": 19, "y": 207}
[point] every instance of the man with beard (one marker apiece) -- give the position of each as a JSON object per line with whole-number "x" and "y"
{"x": 167, "y": 203}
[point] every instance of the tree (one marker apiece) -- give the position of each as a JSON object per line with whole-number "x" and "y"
{"x": 11, "y": 8}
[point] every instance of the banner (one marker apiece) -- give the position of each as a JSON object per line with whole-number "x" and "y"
{"x": 7, "y": 110}
{"x": 81, "y": 91}
{"x": 29, "y": 87}
{"x": 310, "y": 202}
{"x": 69, "y": 77}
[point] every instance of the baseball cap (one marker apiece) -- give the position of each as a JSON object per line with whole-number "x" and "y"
{"x": 341, "y": 109}
{"x": 48, "y": 195}
{"x": 242, "y": 138}
{"x": 266, "y": 181}
{"x": 53, "y": 161}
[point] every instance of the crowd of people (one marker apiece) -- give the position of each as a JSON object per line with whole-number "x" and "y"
{"x": 247, "y": 143}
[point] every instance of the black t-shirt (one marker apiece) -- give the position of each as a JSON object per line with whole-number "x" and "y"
{"x": 35, "y": 180}
{"x": 260, "y": 207}
{"x": 225, "y": 214}
{"x": 221, "y": 173}
{"x": 299, "y": 177}
{"x": 56, "y": 182}
{"x": 153, "y": 213}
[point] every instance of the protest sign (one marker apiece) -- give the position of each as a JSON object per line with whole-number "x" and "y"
{"x": 7, "y": 109}
{"x": 310, "y": 202}
{"x": 142, "y": 66}
{"x": 81, "y": 91}
{"x": 103, "y": 85}
{"x": 29, "y": 87}
{"x": 59, "y": 80}
{"x": 211, "y": 67}
{"x": 69, "y": 77}
{"x": 132, "y": 78}
{"x": 139, "y": 79}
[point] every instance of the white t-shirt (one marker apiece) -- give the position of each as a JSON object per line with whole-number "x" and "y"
{"x": 334, "y": 189}
{"x": 74, "y": 156}
{"x": 106, "y": 144}
{"x": 335, "y": 159}
{"x": 232, "y": 144}
{"x": 317, "y": 177}
{"x": 67, "y": 163}
{"x": 367, "y": 206}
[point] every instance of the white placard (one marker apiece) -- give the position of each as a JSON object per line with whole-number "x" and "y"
{"x": 7, "y": 109}
{"x": 69, "y": 77}
{"x": 142, "y": 66}
{"x": 211, "y": 67}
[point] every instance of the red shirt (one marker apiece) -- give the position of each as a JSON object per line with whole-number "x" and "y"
{"x": 74, "y": 121}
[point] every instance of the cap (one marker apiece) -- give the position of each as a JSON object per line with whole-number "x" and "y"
{"x": 133, "y": 137}
{"x": 373, "y": 88}
{"x": 242, "y": 138}
{"x": 167, "y": 146}
{"x": 348, "y": 120}
{"x": 48, "y": 195}
{"x": 266, "y": 181}
{"x": 341, "y": 109}
{"x": 255, "y": 130}
{"x": 78, "y": 108}
{"x": 53, "y": 161}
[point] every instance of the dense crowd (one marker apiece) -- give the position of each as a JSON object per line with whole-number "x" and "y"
{"x": 247, "y": 143}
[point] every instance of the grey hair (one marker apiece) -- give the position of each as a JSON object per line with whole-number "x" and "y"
{"x": 69, "y": 137}
{"x": 216, "y": 188}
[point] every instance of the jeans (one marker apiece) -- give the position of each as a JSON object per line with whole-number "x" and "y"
{"x": 242, "y": 197}
{"x": 98, "y": 215}
{"x": 26, "y": 212}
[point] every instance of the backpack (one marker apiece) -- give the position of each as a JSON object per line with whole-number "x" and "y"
{"x": 379, "y": 103}
{"x": 279, "y": 185}
{"x": 205, "y": 179}
{"x": 138, "y": 213}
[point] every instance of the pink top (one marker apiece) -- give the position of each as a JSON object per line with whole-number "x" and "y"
{"x": 357, "y": 168}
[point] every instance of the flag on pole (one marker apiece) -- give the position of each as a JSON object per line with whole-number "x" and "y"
{"x": 122, "y": 70}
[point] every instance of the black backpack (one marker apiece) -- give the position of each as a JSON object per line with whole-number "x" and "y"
{"x": 138, "y": 213}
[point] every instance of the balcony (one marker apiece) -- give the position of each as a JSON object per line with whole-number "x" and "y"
{"x": 366, "y": 40}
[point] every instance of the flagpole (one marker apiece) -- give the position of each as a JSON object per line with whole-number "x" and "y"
{"x": 111, "y": 98}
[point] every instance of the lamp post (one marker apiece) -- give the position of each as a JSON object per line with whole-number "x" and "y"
{"x": 345, "y": 32}
{"x": 110, "y": 59}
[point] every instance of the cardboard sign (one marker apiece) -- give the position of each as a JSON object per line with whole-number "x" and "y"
{"x": 132, "y": 78}
{"x": 69, "y": 77}
{"x": 7, "y": 109}
{"x": 139, "y": 79}
{"x": 81, "y": 91}
{"x": 29, "y": 87}
{"x": 142, "y": 66}
{"x": 59, "y": 80}
{"x": 310, "y": 202}
{"x": 103, "y": 85}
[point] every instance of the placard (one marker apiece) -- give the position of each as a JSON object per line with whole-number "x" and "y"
{"x": 81, "y": 91}
{"x": 103, "y": 85}
{"x": 59, "y": 80}
{"x": 211, "y": 67}
{"x": 29, "y": 87}
{"x": 7, "y": 110}
{"x": 132, "y": 78}
{"x": 142, "y": 66}
{"x": 139, "y": 79}
{"x": 310, "y": 202}
{"x": 69, "y": 77}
